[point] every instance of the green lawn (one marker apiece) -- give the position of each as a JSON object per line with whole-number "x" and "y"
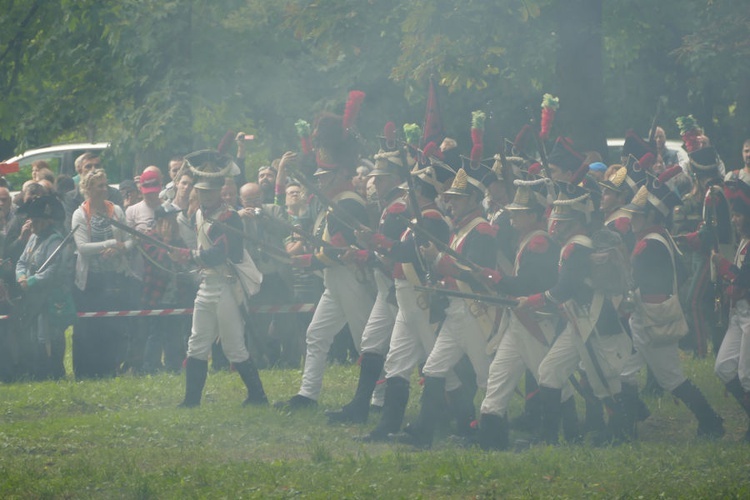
{"x": 125, "y": 438}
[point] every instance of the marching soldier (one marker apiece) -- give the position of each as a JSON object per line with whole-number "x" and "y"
{"x": 706, "y": 313}
{"x": 467, "y": 325}
{"x": 528, "y": 336}
{"x": 414, "y": 332}
{"x": 347, "y": 297}
{"x": 733, "y": 359}
{"x": 387, "y": 176}
{"x": 592, "y": 325}
{"x": 221, "y": 257}
{"x": 657, "y": 323}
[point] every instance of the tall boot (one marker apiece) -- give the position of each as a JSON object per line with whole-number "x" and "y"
{"x": 493, "y": 432}
{"x": 633, "y": 402}
{"x": 461, "y": 404}
{"x": 551, "y": 412}
{"x": 196, "y": 371}
{"x": 530, "y": 419}
{"x": 710, "y": 424}
{"x": 250, "y": 376}
{"x": 594, "y": 419}
{"x": 571, "y": 429}
{"x": 396, "y": 399}
{"x": 357, "y": 410}
{"x": 621, "y": 424}
{"x": 734, "y": 387}
{"x": 421, "y": 432}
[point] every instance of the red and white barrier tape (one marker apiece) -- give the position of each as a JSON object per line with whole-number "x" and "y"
{"x": 290, "y": 308}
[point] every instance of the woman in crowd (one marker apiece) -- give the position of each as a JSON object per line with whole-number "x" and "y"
{"x": 102, "y": 279}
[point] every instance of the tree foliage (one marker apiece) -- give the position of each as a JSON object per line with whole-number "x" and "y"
{"x": 162, "y": 77}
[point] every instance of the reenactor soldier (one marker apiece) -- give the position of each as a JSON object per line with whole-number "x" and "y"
{"x": 222, "y": 260}
{"x": 387, "y": 177}
{"x": 465, "y": 329}
{"x": 732, "y": 360}
{"x": 413, "y": 334}
{"x": 527, "y": 337}
{"x": 658, "y": 322}
{"x": 347, "y": 298}
{"x": 703, "y": 301}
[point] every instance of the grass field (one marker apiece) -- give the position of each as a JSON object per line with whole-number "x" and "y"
{"x": 125, "y": 438}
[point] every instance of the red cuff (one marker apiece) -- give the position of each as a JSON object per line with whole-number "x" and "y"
{"x": 338, "y": 240}
{"x": 492, "y": 275}
{"x": 381, "y": 242}
{"x": 725, "y": 269}
{"x": 536, "y": 301}
{"x": 304, "y": 260}
{"x": 361, "y": 257}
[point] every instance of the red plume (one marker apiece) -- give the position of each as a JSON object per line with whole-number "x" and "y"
{"x": 389, "y": 132}
{"x": 353, "y": 105}
{"x": 225, "y": 142}
{"x": 432, "y": 149}
{"x": 535, "y": 169}
{"x": 647, "y": 161}
{"x": 669, "y": 173}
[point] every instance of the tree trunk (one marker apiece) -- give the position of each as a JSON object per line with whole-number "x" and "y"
{"x": 579, "y": 72}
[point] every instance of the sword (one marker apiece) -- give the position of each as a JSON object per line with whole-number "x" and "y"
{"x": 57, "y": 250}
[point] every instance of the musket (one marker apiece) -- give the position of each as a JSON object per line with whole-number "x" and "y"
{"x": 652, "y": 130}
{"x": 715, "y": 278}
{"x": 442, "y": 246}
{"x": 540, "y": 147}
{"x": 489, "y": 299}
{"x": 274, "y": 252}
{"x": 342, "y": 215}
{"x": 57, "y": 250}
{"x": 311, "y": 238}
{"x": 139, "y": 235}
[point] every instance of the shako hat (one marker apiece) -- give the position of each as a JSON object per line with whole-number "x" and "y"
{"x": 210, "y": 168}
{"x": 43, "y": 207}
{"x": 565, "y": 156}
{"x": 572, "y": 201}
{"x": 635, "y": 145}
{"x": 528, "y": 195}
{"x": 704, "y": 162}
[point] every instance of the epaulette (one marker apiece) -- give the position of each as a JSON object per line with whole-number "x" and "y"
{"x": 538, "y": 244}
{"x": 432, "y": 214}
{"x": 568, "y": 250}
{"x": 640, "y": 247}
{"x": 622, "y": 225}
{"x": 396, "y": 208}
{"x": 487, "y": 228}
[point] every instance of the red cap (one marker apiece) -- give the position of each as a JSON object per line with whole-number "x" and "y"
{"x": 150, "y": 182}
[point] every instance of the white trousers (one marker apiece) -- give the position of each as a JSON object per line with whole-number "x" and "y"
{"x": 460, "y": 334}
{"x": 664, "y": 360}
{"x": 413, "y": 336}
{"x": 216, "y": 314}
{"x": 733, "y": 358}
{"x": 610, "y": 353}
{"x": 344, "y": 300}
{"x": 377, "y": 333}
{"x": 518, "y": 351}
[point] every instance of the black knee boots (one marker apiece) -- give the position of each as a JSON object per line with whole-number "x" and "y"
{"x": 196, "y": 371}
{"x": 358, "y": 409}
{"x": 734, "y": 387}
{"x": 394, "y": 407}
{"x": 250, "y": 376}
{"x": 710, "y": 424}
{"x": 551, "y": 413}
{"x": 493, "y": 432}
